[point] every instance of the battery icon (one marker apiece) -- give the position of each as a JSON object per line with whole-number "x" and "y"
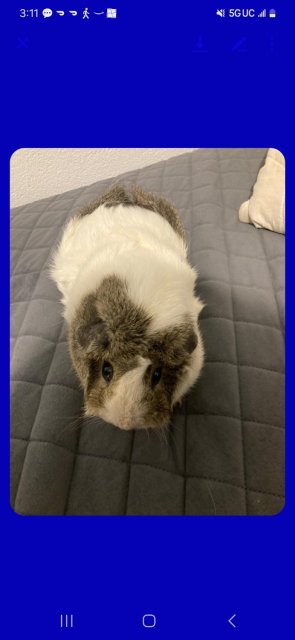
{"x": 272, "y": 13}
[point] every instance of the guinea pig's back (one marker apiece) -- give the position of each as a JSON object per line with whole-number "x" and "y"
{"x": 121, "y": 224}
{"x": 108, "y": 227}
{"x": 132, "y": 242}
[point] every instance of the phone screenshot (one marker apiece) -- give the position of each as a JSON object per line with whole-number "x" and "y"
{"x": 147, "y": 487}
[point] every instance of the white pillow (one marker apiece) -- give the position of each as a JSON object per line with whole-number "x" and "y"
{"x": 266, "y": 207}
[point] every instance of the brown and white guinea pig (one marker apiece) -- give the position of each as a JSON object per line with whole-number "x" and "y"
{"x": 130, "y": 306}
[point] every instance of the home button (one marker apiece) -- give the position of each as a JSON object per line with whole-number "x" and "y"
{"x": 149, "y": 620}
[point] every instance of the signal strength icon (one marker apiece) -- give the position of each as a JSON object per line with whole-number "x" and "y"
{"x": 262, "y": 14}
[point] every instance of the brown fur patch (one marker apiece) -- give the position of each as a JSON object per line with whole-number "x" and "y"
{"x": 136, "y": 196}
{"x": 109, "y": 326}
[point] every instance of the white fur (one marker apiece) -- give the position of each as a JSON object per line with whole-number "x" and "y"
{"x": 137, "y": 245}
{"x": 192, "y": 372}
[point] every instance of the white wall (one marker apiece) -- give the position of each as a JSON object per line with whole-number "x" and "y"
{"x": 39, "y": 173}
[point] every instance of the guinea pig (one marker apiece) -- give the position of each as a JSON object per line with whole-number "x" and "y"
{"x": 131, "y": 310}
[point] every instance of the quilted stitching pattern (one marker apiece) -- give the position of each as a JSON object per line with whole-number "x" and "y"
{"x": 224, "y": 453}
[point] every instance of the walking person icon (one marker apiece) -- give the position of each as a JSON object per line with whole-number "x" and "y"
{"x": 86, "y": 14}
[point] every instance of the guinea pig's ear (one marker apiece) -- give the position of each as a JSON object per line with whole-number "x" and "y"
{"x": 175, "y": 345}
{"x": 93, "y": 336}
{"x": 184, "y": 342}
{"x": 191, "y": 342}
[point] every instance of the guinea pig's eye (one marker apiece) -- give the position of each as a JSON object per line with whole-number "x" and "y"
{"x": 156, "y": 376}
{"x": 107, "y": 371}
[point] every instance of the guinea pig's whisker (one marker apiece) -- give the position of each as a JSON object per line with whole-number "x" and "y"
{"x": 155, "y": 431}
{"x": 168, "y": 429}
{"x": 165, "y": 438}
{"x": 73, "y": 418}
{"x": 161, "y": 435}
{"x": 95, "y": 419}
{"x": 75, "y": 425}
{"x": 58, "y": 323}
{"x": 211, "y": 496}
{"x": 175, "y": 429}
{"x": 164, "y": 435}
{"x": 172, "y": 438}
{"x": 78, "y": 423}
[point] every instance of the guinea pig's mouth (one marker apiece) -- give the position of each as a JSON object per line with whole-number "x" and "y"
{"x": 136, "y": 426}
{"x": 127, "y": 423}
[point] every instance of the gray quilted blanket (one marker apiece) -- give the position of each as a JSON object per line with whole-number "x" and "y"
{"x": 224, "y": 453}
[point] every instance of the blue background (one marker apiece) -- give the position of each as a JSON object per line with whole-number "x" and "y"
{"x": 160, "y": 75}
